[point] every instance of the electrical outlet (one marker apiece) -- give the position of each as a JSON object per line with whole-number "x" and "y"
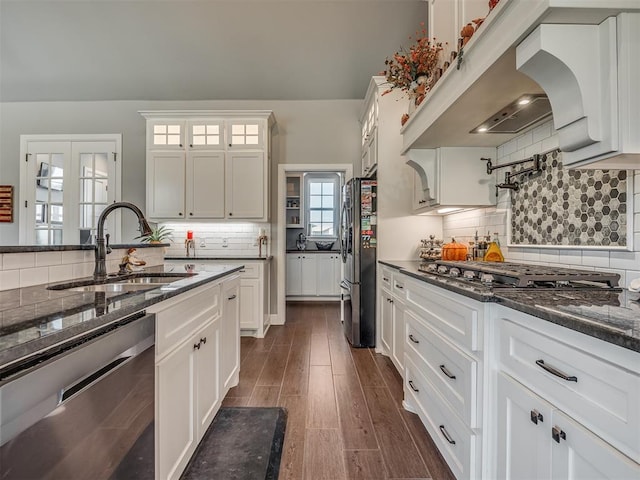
{"x": 203, "y": 243}
{"x": 225, "y": 242}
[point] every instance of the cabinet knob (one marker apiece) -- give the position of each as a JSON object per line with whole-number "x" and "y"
{"x": 180, "y": 145}
{"x": 203, "y": 340}
{"x": 180, "y": 213}
{"x": 230, "y": 214}
{"x": 557, "y": 433}
{"x": 196, "y": 346}
{"x": 191, "y": 145}
{"x": 535, "y": 416}
{"x": 230, "y": 145}
{"x": 191, "y": 214}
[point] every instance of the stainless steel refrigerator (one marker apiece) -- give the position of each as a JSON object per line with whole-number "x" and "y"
{"x": 358, "y": 249}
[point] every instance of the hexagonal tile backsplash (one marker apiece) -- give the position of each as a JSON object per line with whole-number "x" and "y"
{"x": 570, "y": 207}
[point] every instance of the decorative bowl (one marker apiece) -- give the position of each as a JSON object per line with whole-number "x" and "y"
{"x": 324, "y": 245}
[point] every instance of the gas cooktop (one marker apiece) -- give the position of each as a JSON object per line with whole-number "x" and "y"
{"x": 510, "y": 274}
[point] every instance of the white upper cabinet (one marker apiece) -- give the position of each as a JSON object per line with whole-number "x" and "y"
{"x": 451, "y": 178}
{"x": 369, "y": 126}
{"x": 208, "y": 164}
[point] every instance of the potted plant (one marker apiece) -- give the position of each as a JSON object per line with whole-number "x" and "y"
{"x": 161, "y": 234}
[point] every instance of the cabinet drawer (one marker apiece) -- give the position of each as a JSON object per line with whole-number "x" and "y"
{"x": 452, "y": 315}
{"x": 181, "y": 318}
{"x": 386, "y": 278}
{"x": 452, "y": 372}
{"x": 250, "y": 270}
{"x": 459, "y": 446}
{"x": 599, "y": 394}
{"x": 399, "y": 287}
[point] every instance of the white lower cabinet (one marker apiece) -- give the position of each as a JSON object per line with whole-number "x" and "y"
{"x": 197, "y": 361}
{"x": 391, "y": 317}
{"x": 537, "y": 441}
{"x": 385, "y": 309}
{"x": 524, "y": 432}
{"x": 254, "y": 291}
{"x": 566, "y": 405}
{"x": 438, "y": 343}
{"x": 230, "y": 334}
{"x": 312, "y": 274}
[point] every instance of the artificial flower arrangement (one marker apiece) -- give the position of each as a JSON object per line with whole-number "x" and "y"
{"x": 414, "y": 68}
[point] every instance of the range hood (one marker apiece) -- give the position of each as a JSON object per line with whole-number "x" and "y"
{"x": 519, "y": 115}
{"x": 582, "y": 52}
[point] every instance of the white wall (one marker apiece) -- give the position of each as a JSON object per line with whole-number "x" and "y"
{"x": 306, "y": 132}
{"x": 464, "y": 225}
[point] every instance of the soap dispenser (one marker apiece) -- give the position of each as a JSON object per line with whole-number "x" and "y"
{"x": 494, "y": 254}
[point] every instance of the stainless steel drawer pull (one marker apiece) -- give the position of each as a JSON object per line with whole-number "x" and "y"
{"x": 413, "y": 387}
{"x": 555, "y": 371}
{"x": 446, "y": 435}
{"x": 535, "y": 416}
{"x": 557, "y": 433}
{"x": 413, "y": 339}
{"x": 385, "y": 279}
{"x": 232, "y": 297}
{"x": 446, "y": 371}
{"x": 399, "y": 286}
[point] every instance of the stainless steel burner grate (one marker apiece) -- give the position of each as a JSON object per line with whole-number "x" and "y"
{"x": 524, "y": 275}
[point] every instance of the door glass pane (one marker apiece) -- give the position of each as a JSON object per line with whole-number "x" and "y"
{"x": 101, "y": 167}
{"x": 42, "y": 236}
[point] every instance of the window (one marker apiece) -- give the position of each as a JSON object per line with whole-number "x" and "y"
{"x": 322, "y": 199}
{"x": 65, "y": 184}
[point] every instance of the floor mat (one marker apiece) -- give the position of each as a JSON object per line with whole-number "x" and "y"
{"x": 243, "y": 443}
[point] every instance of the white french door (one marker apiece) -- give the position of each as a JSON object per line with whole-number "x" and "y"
{"x": 65, "y": 183}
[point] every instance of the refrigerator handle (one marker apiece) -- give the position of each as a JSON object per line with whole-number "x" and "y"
{"x": 343, "y": 247}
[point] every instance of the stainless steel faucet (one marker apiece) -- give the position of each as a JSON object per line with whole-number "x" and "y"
{"x": 190, "y": 244}
{"x": 102, "y": 249}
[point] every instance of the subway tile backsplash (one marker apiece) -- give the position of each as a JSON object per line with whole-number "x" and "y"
{"x": 219, "y": 239}
{"x": 19, "y": 270}
{"x": 463, "y": 225}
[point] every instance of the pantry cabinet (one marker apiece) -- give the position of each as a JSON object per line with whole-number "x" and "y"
{"x": 208, "y": 165}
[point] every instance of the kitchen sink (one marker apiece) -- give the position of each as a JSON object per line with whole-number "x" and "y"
{"x": 128, "y": 284}
{"x": 148, "y": 280}
{"x": 116, "y": 287}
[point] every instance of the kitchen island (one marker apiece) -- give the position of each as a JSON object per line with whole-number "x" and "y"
{"x": 54, "y": 336}
{"x": 496, "y": 372}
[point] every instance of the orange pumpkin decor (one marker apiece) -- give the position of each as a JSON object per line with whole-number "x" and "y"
{"x": 467, "y": 31}
{"x": 454, "y": 251}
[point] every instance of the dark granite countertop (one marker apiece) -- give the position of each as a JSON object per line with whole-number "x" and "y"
{"x": 63, "y": 248}
{"x": 35, "y": 319}
{"x": 313, "y": 251}
{"x": 195, "y": 259}
{"x": 612, "y": 315}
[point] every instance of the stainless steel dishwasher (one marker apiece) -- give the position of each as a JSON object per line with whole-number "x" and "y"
{"x": 77, "y": 412}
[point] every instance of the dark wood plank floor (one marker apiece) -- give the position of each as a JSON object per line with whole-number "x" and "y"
{"x": 345, "y": 415}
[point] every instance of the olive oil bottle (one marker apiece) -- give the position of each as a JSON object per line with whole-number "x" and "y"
{"x": 494, "y": 254}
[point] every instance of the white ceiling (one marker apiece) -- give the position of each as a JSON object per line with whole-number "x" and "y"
{"x": 65, "y": 50}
